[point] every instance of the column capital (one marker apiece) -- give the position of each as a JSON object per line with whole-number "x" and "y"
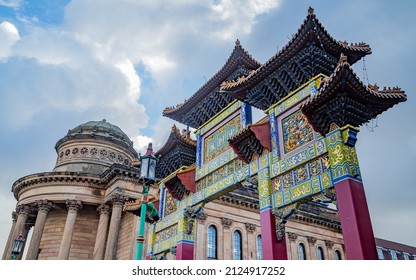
{"x": 118, "y": 199}
{"x": 250, "y": 227}
{"x": 14, "y": 216}
{"x": 329, "y": 244}
{"x": 44, "y": 205}
{"x": 226, "y": 222}
{"x": 104, "y": 209}
{"x": 292, "y": 236}
{"x": 73, "y": 205}
{"x": 23, "y": 209}
{"x": 203, "y": 218}
{"x": 311, "y": 240}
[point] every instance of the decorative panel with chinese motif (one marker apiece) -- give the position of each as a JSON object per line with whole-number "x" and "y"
{"x": 170, "y": 204}
{"x": 296, "y": 131}
{"x": 217, "y": 142}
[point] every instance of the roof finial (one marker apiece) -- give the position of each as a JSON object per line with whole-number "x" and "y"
{"x": 342, "y": 59}
{"x": 149, "y": 151}
{"x": 237, "y": 42}
{"x": 310, "y": 11}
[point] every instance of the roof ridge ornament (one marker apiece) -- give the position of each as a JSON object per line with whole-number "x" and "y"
{"x": 343, "y": 59}
{"x": 310, "y": 11}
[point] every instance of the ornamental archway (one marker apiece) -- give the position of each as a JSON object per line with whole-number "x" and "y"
{"x": 303, "y": 150}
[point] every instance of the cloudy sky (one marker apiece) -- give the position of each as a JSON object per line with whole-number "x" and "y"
{"x": 63, "y": 63}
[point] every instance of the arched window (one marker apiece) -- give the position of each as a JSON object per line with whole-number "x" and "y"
{"x": 212, "y": 243}
{"x": 259, "y": 247}
{"x": 319, "y": 253}
{"x": 393, "y": 255}
{"x": 380, "y": 253}
{"x": 237, "y": 246}
{"x": 338, "y": 255}
{"x": 301, "y": 251}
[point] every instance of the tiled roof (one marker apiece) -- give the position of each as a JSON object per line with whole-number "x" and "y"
{"x": 344, "y": 99}
{"x": 310, "y": 30}
{"x": 239, "y": 57}
{"x": 175, "y": 137}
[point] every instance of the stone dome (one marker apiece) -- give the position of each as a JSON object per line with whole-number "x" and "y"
{"x": 92, "y": 147}
{"x": 101, "y": 128}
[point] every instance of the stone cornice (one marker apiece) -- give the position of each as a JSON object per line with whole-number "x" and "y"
{"x": 57, "y": 178}
{"x": 120, "y": 171}
{"x": 305, "y": 217}
{"x": 115, "y": 172}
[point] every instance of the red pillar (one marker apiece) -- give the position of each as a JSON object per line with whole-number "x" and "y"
{"x": 184, "y": 251}
{"x": 355, "y": 221}
{"x": 272, "y": 248}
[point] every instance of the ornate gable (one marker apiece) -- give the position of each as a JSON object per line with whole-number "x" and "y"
{"x": 208, "y": 100}
{"x": 343, "y": 99}
{"x": 179, "y": 150}
{"x": 312, "y": 50}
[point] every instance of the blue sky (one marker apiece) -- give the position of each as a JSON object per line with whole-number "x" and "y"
{"x": 64, "y": 63}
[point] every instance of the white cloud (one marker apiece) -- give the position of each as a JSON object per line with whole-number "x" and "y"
{"x": 155, "y": 33}
{"x": 10, "y": 3}
{"x": 237, "y": 17}
{"x": 141, "y": 143}
{"x": 9, "y": 35}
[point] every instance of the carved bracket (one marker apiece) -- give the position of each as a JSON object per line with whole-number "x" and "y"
{"x": 191, "y": 214}
{"x": 326, "y": 196}
{"x": 281, "y": 217}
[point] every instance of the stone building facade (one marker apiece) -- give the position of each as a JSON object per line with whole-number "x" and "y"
{"x": 307, "y": 227}
{"x": 76, "y": 211}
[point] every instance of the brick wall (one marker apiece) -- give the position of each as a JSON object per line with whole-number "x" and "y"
{"x": 83, "y": 239}
{"x": 127, "y": 237}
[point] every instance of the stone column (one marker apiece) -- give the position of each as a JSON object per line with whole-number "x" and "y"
{"x": 292, "y": 244}
{"x": 22, "y": 215}
{"x": 201, "y": 239}
{"x": 111, "y": 248}
{"x": 250, "y": 241}
{"x": 227, "y": 238}
{"x": 312, "y": 249}
{"x": 329, "y": 245}
{"x": 29, "y": 224}
{"x": 44, "y": 206}
{"x": 99, "y": 247}
{"x": 10, "y": 238}
{"x": 73, "y": 207}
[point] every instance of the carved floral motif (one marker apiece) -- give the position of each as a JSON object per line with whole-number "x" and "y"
{"x": 226, "y": 222}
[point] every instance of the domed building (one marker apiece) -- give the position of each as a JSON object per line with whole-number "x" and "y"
{"x": 76, "y": 211}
